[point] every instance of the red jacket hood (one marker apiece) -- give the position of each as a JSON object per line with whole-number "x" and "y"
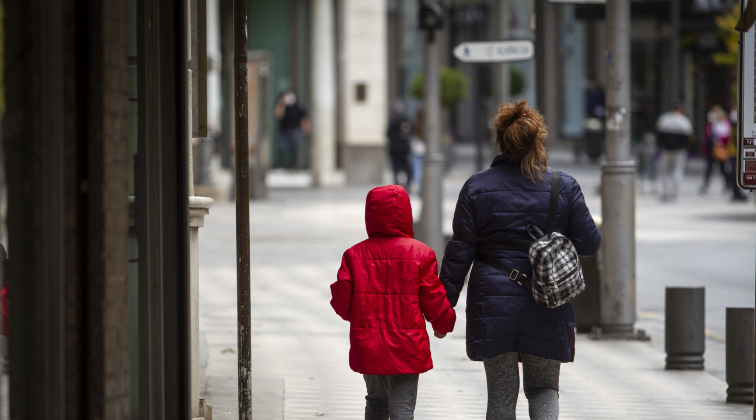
{"x": 388, "y": 212}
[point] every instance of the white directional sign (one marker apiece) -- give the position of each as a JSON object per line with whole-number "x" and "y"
{"x": 495, "y": 51}
{"x": 578, "y": 1}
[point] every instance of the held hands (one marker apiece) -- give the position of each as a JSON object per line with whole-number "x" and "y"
{"x": 439, "y": 335}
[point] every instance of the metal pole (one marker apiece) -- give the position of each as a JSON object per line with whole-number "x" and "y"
{"x": 618, "y": 180}
{"x": 434, "y": 159}
{"x": 674, "y": 55}
{"x": 540, "y": 48}
{"x": 242, "y": 211}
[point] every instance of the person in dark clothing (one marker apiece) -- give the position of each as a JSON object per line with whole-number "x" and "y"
{"x": 504, "y": 323}
{"x": 293, "y": 124}
{"x": 399, "y": 134}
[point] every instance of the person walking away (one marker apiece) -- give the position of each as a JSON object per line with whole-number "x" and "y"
{"x": 418, "y": 150}
{"x": 673, "y": 131}
{"x": 713, "y": 147}
{"x": 504, "y": 323}
{"x": 293, "y": 124}
{"x": 386, "y": 287}
{"x": 417, "y": 154}
{"x": 399, "y": 133}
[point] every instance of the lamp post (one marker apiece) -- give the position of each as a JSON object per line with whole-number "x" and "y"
{"x": 431, "y": 19}
{"x": 618, "y": 184}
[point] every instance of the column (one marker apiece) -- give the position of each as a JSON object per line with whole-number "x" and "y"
{"x": 364, "y": 90}
{"x": 199, "y": 207}
{"x": 323, "y": 85}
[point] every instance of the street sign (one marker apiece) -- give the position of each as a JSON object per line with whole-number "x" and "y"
{"x": 495, "y": 51}
{"x": 578, "y": 1}
{"x": 746, "y": 156}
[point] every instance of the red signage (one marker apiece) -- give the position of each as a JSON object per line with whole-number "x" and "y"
{"x": 750, "y": 153}
{"x": 748, "y": 142}
{"x": 749, "y": 179}
{"x": 749, "y": 166}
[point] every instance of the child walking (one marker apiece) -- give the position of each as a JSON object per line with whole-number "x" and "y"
{"x": 386, "y": 286}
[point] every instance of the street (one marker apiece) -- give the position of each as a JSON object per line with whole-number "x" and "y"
{"x": 300, "y": 346}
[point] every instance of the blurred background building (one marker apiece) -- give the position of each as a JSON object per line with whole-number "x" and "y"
{"x": 374, "y": 51}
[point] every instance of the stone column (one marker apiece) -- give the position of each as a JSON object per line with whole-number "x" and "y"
{"x": 364, "y": 90}
{"x": 322, "y": 53}
{"x": 199, "y": 207}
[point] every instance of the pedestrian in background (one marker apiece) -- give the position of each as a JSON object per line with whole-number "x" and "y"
{"x": 417, "y": 154}
{"x": 399, "y": 134}
{"x": 714, "y": 146}
{"x": 504, "y": 323}
{"x": 673, "y": 130}
{"x": 386, "y": 288}
{"x": 418, "y": 149}
{"x": 293, "y": 124}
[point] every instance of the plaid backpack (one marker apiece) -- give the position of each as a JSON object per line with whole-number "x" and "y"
{"x": 557, "y": 275}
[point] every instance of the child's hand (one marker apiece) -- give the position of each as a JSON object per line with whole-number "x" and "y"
{"x": 439, "y": 335}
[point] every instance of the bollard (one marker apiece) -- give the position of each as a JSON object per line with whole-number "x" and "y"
{"x": 739, "y": 355}
{"x": 684, "y": 337}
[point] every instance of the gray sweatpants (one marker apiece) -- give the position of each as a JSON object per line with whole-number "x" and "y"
{"x": 390, "y": 397}
{"x": 541, "y": 377}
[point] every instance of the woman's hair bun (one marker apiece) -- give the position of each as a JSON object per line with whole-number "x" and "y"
{"x": 521, "y": 137}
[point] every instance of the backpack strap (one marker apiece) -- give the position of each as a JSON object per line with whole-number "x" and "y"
{"x": 553, "y": 201}
{"x": 513, "y": 275}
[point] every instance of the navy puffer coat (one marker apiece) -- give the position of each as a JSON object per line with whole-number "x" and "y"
{"x": 502, "y": 315}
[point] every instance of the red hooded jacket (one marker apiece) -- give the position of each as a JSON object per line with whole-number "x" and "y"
{"x": 386, "y": 285}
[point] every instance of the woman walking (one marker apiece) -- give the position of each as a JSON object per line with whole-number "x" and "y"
{"x": 716, "y": 135}
{"x": 504, "y": 324}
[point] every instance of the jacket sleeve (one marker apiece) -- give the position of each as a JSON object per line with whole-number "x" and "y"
{"x": 459, "y": 256}
{"x": 433, "y": 302}
{"x": 582, "y": 230}
{"x": 341, "y": 290}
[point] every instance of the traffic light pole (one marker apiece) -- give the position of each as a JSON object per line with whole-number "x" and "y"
{"x": 430, "y": 221}
{"x": 241, "y": 131}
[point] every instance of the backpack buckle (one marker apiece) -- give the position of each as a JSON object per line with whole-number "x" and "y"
{"x": 513, "y": 276}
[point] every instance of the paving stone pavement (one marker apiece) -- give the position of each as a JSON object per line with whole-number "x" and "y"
{"x": 300, "y": 346}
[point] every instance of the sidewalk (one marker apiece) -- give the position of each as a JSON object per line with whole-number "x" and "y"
{"x": 300, "y": 347}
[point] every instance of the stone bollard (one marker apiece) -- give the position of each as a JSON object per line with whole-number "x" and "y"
{"x": 739, "y": 355}
{"x": 684, "y": 337}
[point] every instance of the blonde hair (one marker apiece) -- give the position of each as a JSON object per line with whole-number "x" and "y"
{"x": 520, "y": 135}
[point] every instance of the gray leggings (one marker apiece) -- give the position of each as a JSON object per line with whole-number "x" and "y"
{"x": 390, "y": 397}
{"x": 541, "y": 377}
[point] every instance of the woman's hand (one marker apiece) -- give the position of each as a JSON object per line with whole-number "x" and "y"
{"x": 439, "y": 335}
